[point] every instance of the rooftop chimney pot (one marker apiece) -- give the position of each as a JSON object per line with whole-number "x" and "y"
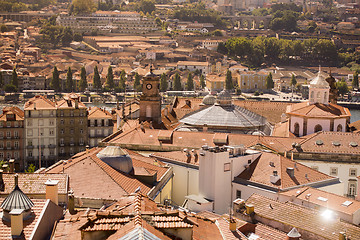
{"x": 52, "y": 190}
{"x": 12, "y": 165}
{"x": 17, "y": 224}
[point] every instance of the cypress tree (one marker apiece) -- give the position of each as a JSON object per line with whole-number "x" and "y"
{"x": 55, "y": 81}
{"x": 96, "y": 80}
{"x": 177, "y": 82}
{"x": 83, "y": 81}
{"x": 269, "y": 81}
{"x": 190, "y": 83}
{"x": 137, "y": 82}
{"x": 110, "y": 79}
{"x": 122, "y": 82}
{"x": 355, "y": 81}
{"x": 163, "y": 83}
{"x": 228, "y": 81}
{"x": 69, "y": 81}
{"x": 202, "y": 81}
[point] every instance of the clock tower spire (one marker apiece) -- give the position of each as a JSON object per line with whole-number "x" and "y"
{"x": 150, "y": 99}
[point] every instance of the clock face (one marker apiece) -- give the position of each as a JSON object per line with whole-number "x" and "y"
{"x": 148, "y": 86}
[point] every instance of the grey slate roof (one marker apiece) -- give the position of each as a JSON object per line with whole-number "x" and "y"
{"x": 225, "y": 116}
{"x": 17, "y": 200}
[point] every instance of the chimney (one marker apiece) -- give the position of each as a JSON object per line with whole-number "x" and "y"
{"x": 205, "y": 128}
{"x": 292, "y": 156}
{"x": 232, "y": 225}
{"x": 16, "y": 180}
{"x": 16, "y": 222}
{"x": 290, "y": 171}
{"x": 249, "y": 208}
{"x": 12, "y": 165}
{"x": 71, "y": 205}
{"x": 293, "y": 235}
{"x": 342, "y": 236}
{"x": 2, "y": 184}
{"x": 5, "y": 168}
{"x": 87, "y": 149}
{"x": 52, "y": 190}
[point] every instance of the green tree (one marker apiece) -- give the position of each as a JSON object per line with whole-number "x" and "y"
{"x": 110, "y": 79}
{"x": 1, "y": 80}
{"x": 158, "y": 21}
{"x": 202, "y": 81}
{"x": 137, "y": 85}
{"x": 14, "y": 78}
{"x": 55, "y": 81}
{"x": 146, "y": 6}
{"x": 293, "y": 80}
{"x": 122, "y": 82}
{"x": 82, "y": 7}
{"x": 3, "y": 28}
{"x": 67, "y": 37}
{"x": 342, "y": 87}
{"x": 177, "y": 82}
{"x": 190, "y": 83}
{"x": 10, "y": 88}
{"x": 69, "y": 81}
{"x": 355, "y": 81}
{"x": 229, "y": 81}
{"x": 83, "y": 81}
{"x": 269, "y": 81}
{"x": 96, "y": 79}
{"x": 30, "y": 169}
{"x": 163, "y": 83}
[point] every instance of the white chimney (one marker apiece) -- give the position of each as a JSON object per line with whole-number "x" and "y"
{"x": 52, "y": 190}
{"x": 12, "y": 165}
{"x": 17, "y": 224}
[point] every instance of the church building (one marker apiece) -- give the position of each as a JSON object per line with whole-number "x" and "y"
{"x": 320, "y": 113}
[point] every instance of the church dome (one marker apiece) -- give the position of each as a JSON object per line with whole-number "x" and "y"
{"x": 116, "y": 158}
{"x": 319, "y": 81}
{"x": 224, "y": 98}
{"x": 209, "y": 99}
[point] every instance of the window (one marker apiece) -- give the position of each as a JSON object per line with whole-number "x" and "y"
{"x": 30, "y": 153}
{"x": 61, "y": 113}
{"x": 71, "y": 131}
{"x": 51, "y": 132}
{"x": 352, "y": 188}
{"x": 29, "y": 132}
{"x": 1, "y": 145}
{"x": 8, "y": 155}
{"x": 8, "y": 124}
{"x": 30, "y": 143}
{"x": 51, "y": 113}
{"x": 296, "y": 129}
{"x": 333, "y": 171}
{"x": 62, "y": 141}
{"x": 71, "y": 122}
{"x": 238, "y": 194}
{"x": 339, "y": 128}
{"x": 52, "y": 152}
{"x": 81, "y": 121}
{"x": 16, "y": 154}
{"x": 41, "y": 132}
{"x": 62, "y": 150}
{"x": 1, "y": 155}
{"x": 226, "y": 167}
{"x": 318, "y": 128}
{"x": 16, "y": 134}
{"x": 29, "y": 123}
{"x": 62, "y": 121}
{"x": 81, "y": 131}
{"x": 353, "y": 172}
{"x": 51, "y": 122}
{"x": 72, "y": 113}
{"x": 62, "y": 131}
{"x": 81, "y": 141}
{"x": 8, "y": 145}
{"x": 312, "y": 96}
{"x": 16, "y": 124}
{"x": 1, "y": 134}
{"x": 40, "y": 114}
{"x": 8, "y": 134}
{"x": 41, "y": 122}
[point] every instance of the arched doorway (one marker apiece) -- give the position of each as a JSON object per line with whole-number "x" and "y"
{"x": 339, "y": 128}
{"x": 296, "y": 129}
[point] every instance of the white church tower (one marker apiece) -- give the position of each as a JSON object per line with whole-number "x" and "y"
{"x": 319, "y": 90}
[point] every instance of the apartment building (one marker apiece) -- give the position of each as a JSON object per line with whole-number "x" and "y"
{"x": 11, "y": 135}
{"x": 72, "y": 126}
{"x": 203, "y": 67}
{"x": 40, "y": 129}
{"x": 100, "y": 125}
{"x": 108, "y": 21}
{"x": 252, "y": 81}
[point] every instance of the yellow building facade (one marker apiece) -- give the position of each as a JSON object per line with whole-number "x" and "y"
{"x": 252, "y": 81}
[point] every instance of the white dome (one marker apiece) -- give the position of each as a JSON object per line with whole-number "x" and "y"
{"x": 209, "y": 100}
{"x": 319, "y": 81}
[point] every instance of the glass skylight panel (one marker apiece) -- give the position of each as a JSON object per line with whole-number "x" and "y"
{"x": 347, "y": 203}
{"x": 322, "y": 199}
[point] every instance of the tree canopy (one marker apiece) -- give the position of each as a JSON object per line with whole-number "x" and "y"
{"x": 83, "y": 81}
{"x": 79, "y": 7}
{"x": 137, "y": 85}
{"x": 229, "y": 81}
{"x": 177, "y": 82}
{"x": 163, "y": 83}
{"x": 269, "y": 81}
{"x": 202, "y": 81}
{"x": 355, "y": 81}
{"x": 96, "y": 79}
{"x": 69, "y": 84}
{"x": 55, "y": 81}
{"x": 14, "y": 78}
{"x": 109, "y": 84}
{"x": 190, "y": 82}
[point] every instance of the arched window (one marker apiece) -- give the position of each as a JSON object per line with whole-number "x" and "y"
{"x": 312, "y": 96}
{"x": 318, "y": 128}
{"x": 296, "y": 129}
{"x": 339, "y": 128}
{"x": 318, "y": 97}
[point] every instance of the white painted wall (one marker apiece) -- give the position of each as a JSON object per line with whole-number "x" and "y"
{"x": 341, "y": 121}
{"x": 343, "y": 172}
{"x": 312, "y": 122}
{"x": 248, "y": 190}
{"x": 300, "y": 121}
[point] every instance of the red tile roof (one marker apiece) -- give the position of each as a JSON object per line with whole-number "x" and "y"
{"x": 318, "y": 110}
{"x": 263, "y": 167}
{"x": 41, "y": 103}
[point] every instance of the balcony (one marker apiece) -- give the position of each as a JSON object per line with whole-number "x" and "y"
{"x": 30, "y": 146}
{"x": 61, "y": 144}
{"x": 72, "y": 144}
{"x": 51, "y": 146}
{"x": 42, "y": 146}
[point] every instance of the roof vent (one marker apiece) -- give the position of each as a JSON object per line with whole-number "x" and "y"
{"x": 319, "y": 142}
{"x": 117, "y": 158}
{"x": 274, "y": 178}
{"x": 336, "y": 143}
{"x": 346, "y": 203}
{"x": 294, "y": 234}
{"x": 322, "y": 199}
{"x": 353, "y": 144}
{"x": 290, "y": 171}
{"x": 272, "y": 164}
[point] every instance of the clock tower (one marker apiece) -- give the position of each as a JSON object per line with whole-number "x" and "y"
{"x": 150, "y": 99}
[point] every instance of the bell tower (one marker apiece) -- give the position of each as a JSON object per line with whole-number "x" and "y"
{"x": 150, "y": 99}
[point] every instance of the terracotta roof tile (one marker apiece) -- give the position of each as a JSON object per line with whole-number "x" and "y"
{"x": 308, "y": 220}
{"x": 318, "y": 110}
{"x": 263, "y": 167}
{"x": 29, "y": 224}
{"x": 96, "y": 113}
{"x": 41, "y": 102}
